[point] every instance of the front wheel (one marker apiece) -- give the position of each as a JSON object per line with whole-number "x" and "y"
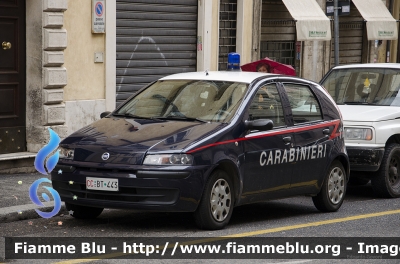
{"x": 386, "y": 181}
{"x": 216, "y": 206}
{"x": 333, "y": 190}
{"x": 83, "y": 212}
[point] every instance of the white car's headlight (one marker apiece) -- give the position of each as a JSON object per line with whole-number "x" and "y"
{"x": 66, "y": 153}
{"x": 356, "y": 133}
{"x": 168, "y": 159}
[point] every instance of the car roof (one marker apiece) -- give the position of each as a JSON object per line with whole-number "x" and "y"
{"x": 369, "y": 65}
{"x": 231, "y": 76}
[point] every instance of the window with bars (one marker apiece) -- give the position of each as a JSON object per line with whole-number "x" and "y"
{"x": 281, "y": 51}
{"x": 227, "y": 31}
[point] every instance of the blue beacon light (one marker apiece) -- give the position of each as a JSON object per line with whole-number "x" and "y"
{"x": 233, "y": 62}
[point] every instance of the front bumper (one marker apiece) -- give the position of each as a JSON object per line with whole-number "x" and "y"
{"x": 365, "y": 159}
{"x": 147, "y": 188}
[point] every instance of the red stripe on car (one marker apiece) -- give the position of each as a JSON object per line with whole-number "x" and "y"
{"x": 333, "y": 135}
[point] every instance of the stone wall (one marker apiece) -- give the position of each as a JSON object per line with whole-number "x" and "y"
{"x": 51, "y": 103}
{"x": 315, "y": 56}
{"x": 46, "y": 40}
{"x": 83, "y": 112}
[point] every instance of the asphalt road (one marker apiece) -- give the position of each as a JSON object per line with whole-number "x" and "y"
{"x": 361, "y": 215}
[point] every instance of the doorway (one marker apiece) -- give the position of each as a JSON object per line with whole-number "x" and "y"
{"x": 12, "y": 76}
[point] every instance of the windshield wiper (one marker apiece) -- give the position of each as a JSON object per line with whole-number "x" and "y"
{"x": 183, "y": 118}
{"x": 131, "y": 115}
{"x": 357, "y": 103}
{"x": 135, "y": 116}
{"x": 162, "y": 118}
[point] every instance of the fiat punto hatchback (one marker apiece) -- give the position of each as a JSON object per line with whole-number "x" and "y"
{"x": 206, "y": 142}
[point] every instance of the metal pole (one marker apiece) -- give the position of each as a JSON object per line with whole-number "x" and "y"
{"x": 336, "y": 29}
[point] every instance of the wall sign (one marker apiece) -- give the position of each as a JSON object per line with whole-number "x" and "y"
{"x": 98, "y": 16}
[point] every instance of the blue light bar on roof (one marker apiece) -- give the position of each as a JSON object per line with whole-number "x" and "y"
{"x": 233, "y": 61}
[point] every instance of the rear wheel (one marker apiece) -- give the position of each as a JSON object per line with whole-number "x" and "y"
{"x": 386, "y": 181}
{"x": 333, "y": 190}
{"x": 216, "y": 206}
{"x": 83, "y": 212}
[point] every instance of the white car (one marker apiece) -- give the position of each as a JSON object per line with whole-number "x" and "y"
{"x": 367, "y": 95}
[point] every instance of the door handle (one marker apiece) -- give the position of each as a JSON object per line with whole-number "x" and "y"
{"x": 326, "y": 131}
{"x": 6, "y": 45}
{"x": 287, "y": 140}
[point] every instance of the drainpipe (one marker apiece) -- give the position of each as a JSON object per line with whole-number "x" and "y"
{"x": 336, "y": 28}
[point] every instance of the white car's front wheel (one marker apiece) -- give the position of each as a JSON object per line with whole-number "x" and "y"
{"x": 386, "y": 181}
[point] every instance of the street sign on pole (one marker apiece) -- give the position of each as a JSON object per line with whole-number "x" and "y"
{"x": 98, "y": 16}
{"x": 343, "y": 5}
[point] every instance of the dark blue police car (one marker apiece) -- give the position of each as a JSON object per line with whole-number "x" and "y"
{"x": 206, "y": 142}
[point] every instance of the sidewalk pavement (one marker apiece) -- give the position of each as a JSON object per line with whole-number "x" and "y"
{"x": 15, "y": 203}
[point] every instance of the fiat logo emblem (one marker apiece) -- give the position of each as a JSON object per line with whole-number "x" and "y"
{"x": 105, "y": 156}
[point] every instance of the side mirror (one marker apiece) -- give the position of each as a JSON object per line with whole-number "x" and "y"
{"x": 259, "y": 124}
{"x": 104, "y": 114}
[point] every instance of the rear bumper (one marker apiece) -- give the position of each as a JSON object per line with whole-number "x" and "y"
{"x": 160, "y": 189}
{"x": 365, "y": 159}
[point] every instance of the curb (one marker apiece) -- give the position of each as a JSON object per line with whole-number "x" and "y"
{"x": 25, "y": 212}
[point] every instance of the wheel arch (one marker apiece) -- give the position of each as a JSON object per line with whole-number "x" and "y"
{"x": 232, "y": 170}
{"x": 346, "y": 164}
{"x": 393, "y": 139}
{"x": 333, "y": 189}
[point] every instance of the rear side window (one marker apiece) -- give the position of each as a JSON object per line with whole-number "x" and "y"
{"x": 305, "y": 106}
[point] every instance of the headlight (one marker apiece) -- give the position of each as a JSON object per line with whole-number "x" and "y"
{"x": 168, "y": 159}
{"x": 66, "y": 153}
{"x": 355, "y": 133}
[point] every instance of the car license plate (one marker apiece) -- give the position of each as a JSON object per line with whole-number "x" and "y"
{"x": 103, "y": 184}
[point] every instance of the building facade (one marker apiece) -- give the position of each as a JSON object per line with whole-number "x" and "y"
{"x": 49, "y": 77}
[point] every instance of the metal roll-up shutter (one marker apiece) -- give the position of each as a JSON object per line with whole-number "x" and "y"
{"x": 155, "y": 38}
{"x": 278, "y": 32}
{"x": 351, "y": 29}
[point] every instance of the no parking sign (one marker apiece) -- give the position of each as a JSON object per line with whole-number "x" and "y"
{"x": 98, "y": 16}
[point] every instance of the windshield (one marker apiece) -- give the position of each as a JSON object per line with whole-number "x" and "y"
{"x": 187, "y": 100}
{"x": 364, "y": 86}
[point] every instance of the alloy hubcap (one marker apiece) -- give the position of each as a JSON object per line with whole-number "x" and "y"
{"x": 220, "y": 200}
{"x": 336, "y": 185}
